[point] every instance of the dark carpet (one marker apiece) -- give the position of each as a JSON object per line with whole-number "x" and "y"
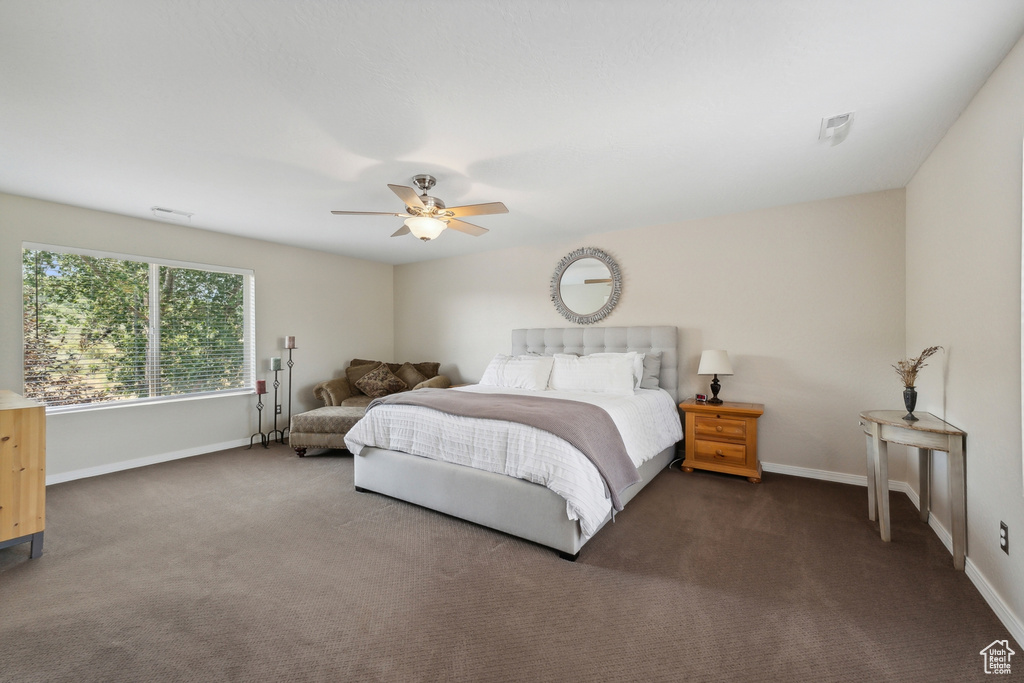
{"x": 255, "y": 565}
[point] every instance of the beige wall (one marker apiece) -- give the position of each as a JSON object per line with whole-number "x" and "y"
{"x": 964, "y": 292}
{"x": 298, "y": 292}
{"x": 807, "y": 299}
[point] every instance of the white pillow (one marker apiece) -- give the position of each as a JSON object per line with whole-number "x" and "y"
{"x": 637, "y": 359}
{"x": 518, "y": 372}
{"x": 611, "y": 374}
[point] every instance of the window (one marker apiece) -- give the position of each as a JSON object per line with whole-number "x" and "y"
{"x": 103, "y": 328}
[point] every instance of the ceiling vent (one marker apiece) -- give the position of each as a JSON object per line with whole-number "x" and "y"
{"x": 171, "y": 214}
{"x": 834, "y": 129}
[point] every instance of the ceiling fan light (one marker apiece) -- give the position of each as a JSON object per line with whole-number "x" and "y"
{"x": 425, "y": 227}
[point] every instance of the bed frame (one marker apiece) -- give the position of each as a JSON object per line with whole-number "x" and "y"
{"x": 504, "y": 503}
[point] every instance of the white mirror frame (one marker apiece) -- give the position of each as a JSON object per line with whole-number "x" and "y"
{"x": 613, "y": 297}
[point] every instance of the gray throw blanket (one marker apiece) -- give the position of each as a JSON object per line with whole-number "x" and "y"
{"x": 587, "y": 427}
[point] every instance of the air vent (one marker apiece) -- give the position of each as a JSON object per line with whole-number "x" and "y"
{"x": 172, "y": 215}
{"x": 834, "y": 129}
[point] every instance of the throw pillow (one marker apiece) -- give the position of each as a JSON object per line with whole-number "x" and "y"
{"x": 362, "y": 361}
{"x": 355, "y": 372}
{"x": 428, "y": 370}
{"x": 410, "y": 375}
{"x": 652, "y": 370}
{"x": 380, "y": 381}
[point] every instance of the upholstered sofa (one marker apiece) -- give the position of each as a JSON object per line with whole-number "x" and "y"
{"x": 351, "y": 389}
{"x": 345, "y": 399}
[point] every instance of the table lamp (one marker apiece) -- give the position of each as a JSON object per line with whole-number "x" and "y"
{"x": 714, "y": 363}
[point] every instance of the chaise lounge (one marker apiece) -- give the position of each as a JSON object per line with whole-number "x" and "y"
{"x": 345, "y": 399}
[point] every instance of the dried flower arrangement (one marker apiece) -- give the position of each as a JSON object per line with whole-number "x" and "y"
{"x": 908, "y": 367}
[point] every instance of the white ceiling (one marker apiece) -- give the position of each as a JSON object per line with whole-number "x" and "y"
{"x": 582, "y": 116}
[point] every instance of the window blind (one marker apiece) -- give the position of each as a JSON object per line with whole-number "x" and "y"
{"x": 102, "y": 328}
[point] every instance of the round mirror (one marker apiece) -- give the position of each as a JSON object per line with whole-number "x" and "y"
{"x": 586, "y": 286}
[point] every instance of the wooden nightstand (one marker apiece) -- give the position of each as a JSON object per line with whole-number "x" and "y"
{"x": 722, "y": 438}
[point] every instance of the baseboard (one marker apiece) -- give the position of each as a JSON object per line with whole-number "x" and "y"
{"x": 1010, "y": 620}
{"x": 825, "y": 475}
{"x": 904, "y": 487}
{"x": 995, "y": 601}
{"x": 945, "y": 536}
{"x": 141, "y": 462}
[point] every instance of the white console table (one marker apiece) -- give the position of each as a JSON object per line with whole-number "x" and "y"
{"x": 928, "y": 434}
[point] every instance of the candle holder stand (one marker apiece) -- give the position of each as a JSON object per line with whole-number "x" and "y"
{"x": 277, "y": 411}
{"x": 264, "y": 438}
{"x": 288, "y": 426}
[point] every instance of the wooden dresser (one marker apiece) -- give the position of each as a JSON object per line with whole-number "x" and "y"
{"x": 22, "y": 472}
{"x": 722, "y": 438}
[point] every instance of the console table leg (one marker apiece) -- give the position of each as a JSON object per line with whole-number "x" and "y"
{"x": 958, "y": 501}
{"x": 882, "y": 480}
{"x": 872, "y": 496}
{"x": 924, "y": 478}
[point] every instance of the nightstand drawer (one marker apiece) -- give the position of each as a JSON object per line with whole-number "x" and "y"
{"x": 717, "y": 451}
{"x": 720, "y": 428}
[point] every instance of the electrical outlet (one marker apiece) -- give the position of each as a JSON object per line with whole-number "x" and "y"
{"x": 277, "y": 410}
{"x": 1004, "y": 537}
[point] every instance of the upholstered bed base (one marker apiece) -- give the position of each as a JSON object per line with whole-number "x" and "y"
{"x": 507, "y": 504}
{"x": 514, "y": 506}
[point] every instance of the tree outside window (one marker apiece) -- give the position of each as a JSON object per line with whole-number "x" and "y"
{"x": 104, "y": 328}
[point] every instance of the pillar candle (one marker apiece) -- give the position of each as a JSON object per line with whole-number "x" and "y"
{"x": 261, "y": 386}
{"x": 275, "y": 364}
{"x": 289, "y": 342}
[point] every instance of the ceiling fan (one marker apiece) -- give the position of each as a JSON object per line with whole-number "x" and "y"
{"x": 426, "y": 217}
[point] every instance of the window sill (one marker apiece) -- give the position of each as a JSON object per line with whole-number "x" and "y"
{"x": 128, "y": 403}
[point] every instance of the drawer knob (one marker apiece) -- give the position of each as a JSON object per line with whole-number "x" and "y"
{"x": 718, "y": 428}
{"x": 718, "y": 452}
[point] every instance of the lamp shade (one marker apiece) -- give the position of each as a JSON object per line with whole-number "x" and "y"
{"x": 425, "y": 227}
{"x": 714, "y": 363}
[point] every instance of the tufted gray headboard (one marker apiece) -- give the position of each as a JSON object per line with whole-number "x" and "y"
{"x": 583, "y": 340}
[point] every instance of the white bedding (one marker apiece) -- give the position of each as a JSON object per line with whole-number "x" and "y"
{"x": 648, "y": 421}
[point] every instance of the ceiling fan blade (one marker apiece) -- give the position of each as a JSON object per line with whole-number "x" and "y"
{"x": 408, "y": 195}
{"x": 404, "y": 230}
{"x": 369, "y": 213}
{"x": 468, "y": 228}
{"x": 478, "y": 209}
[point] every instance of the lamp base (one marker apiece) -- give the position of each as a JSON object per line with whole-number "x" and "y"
{"x": 716, "y": 386}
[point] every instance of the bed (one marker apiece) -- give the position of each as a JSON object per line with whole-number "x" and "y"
{"x": 516, "y": 506}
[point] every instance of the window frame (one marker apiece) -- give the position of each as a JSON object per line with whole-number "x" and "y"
{"x": 248, "y": 327}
